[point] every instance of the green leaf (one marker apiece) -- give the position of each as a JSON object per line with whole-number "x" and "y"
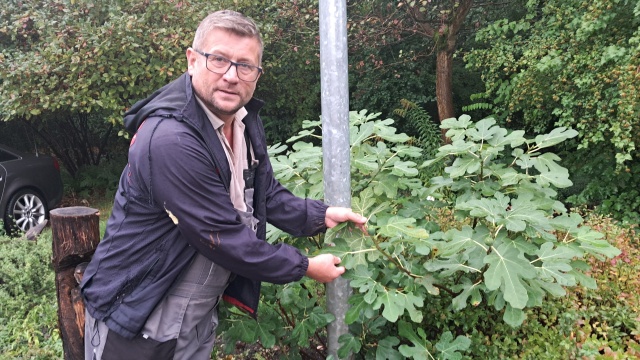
{"x": 556, "y": 263}
{"x": 463, "y": 122}
{"x": 514, "y": 139}
{"x": 364, "y": 202}
{"x": 349, "y": 344}
{"x": 449, "y": 348}
{"x": 363, "y": 279}
{"x": 459, "y": 240}
{"x": 550, "y": 172}
{"x": 525, "y": 161}
{"x": 304, "y": 151}
{"x": 469, "y": 290}
{"x": 393, "y": 303}
{"x": 404, "y": 168}
{"x": 540, "y": 285}
{"x": 358, "y": 308}
{"x": 388, "y": 133}
{"x": 265, "y": 332}
{"x": 397, "y": 226}
{"x": 318, "y": 318}
{"x": 387, "y": 187}
{"x": 490, "y": 208}
{"x": 367, "y": 163}
{"x": 359, "y": 134}
{"x": 555, "y": 137}
{"x": 483, "y": 130}
{"x": 522, "y": 213}
{"x": 427, "y": 282}
{"x": 458, "y": 147}
{"x": 245, "y": 330}
{"x": 418, "y": 338}
{"x": 352, "y": 248}
{"x": 507, "y": 268}
{"x": 464, "y": 165}
{"x": 405, "y": 150}
{"x": 386, "y": 351}
{"x": 514, "y": 317}
{"x": 583, "y": 279}
{"x": 276, "y": 149}
{"x": 591, "y": 242}
{"x": 452, "y": 265}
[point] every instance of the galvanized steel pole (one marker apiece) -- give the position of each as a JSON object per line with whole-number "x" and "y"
{"x": 335, "y": 141}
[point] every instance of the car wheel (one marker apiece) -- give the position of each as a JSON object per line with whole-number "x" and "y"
{"x": 25, "y": 210}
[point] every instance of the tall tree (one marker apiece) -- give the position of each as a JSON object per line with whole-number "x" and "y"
{"x": 425, "y": 29}
{"x": 441, "y": 21}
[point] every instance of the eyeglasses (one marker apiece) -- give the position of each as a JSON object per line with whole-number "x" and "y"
{"x": 220, "y": 65}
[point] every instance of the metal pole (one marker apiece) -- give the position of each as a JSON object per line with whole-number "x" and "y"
{"x": 335, "y": 141}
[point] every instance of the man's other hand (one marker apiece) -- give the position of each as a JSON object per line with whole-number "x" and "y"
{"x": 336, "y": 215}
{"x": 323, "y": 268}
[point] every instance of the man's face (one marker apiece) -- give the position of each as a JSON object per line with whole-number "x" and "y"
{"x": 223, "y": 94}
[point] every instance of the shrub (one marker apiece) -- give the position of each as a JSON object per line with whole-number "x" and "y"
{"x": 95, "y": 181}
{"x": 28, "y": 304}
{"x": 511, "y": 248}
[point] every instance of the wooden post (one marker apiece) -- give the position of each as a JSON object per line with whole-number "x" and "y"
{"x": 76, "y": 234}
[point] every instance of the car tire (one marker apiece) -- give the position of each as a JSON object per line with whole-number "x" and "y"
{"x": 26, "y": 208}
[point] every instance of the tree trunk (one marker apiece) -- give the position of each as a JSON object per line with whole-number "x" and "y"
{"x": 76, "y": 234}
{"x": 444, "y": 62}
{"x": 444, "y": 92}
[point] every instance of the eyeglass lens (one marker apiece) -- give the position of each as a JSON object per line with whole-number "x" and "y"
{"x": 221, "y": 65}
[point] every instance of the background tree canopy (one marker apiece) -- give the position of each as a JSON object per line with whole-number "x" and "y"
{"x": 573, "y": 63}
{"x": 70, "y": 68}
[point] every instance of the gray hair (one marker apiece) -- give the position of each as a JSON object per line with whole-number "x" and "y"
{"x": 231, "y": 21}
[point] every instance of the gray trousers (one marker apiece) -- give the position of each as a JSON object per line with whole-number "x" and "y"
{"x": 182, "y": 326}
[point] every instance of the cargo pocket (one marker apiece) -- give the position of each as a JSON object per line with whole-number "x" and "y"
{"x": 186, "y": 312}
{"x": 206, "y": 329}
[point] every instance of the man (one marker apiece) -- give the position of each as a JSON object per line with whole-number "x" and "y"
{"x": 189, "y": 217}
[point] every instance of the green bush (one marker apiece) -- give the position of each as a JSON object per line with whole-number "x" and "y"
{"x": 436, "y": 274}
{"x": 96, "y": 181}
{"x": 601, "y": 185}
{"x": 28, "y": 304}
{"x": 401, "y": 307}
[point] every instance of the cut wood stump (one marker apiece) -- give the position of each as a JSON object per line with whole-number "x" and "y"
{"x": 76, "y": 234}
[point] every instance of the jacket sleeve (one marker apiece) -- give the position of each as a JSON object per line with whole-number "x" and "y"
{"x": 185, "y": 182}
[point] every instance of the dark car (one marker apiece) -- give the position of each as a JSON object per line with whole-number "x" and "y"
{"x": 30, "y": 185}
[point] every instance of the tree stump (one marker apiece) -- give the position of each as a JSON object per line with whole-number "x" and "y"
{"x": 76, "y": 234}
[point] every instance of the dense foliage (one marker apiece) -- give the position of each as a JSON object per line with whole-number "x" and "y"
{"x": 28, "y": 304}
{"x": 71, "y": 68}
{"x": 510, "y": 247}
{"x": 575, "y": 64}
{"x": 589, "y": 323}
{"x": 59, "y": 56}
{"x": 571, "y": 63}
{"x": 411, "y": 299}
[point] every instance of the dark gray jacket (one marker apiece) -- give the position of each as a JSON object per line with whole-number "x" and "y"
{"x": 173, "y": 201}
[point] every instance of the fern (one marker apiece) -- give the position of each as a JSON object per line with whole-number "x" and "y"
{"x": 478, "y": 105}
{"x": 428, "y": 133}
